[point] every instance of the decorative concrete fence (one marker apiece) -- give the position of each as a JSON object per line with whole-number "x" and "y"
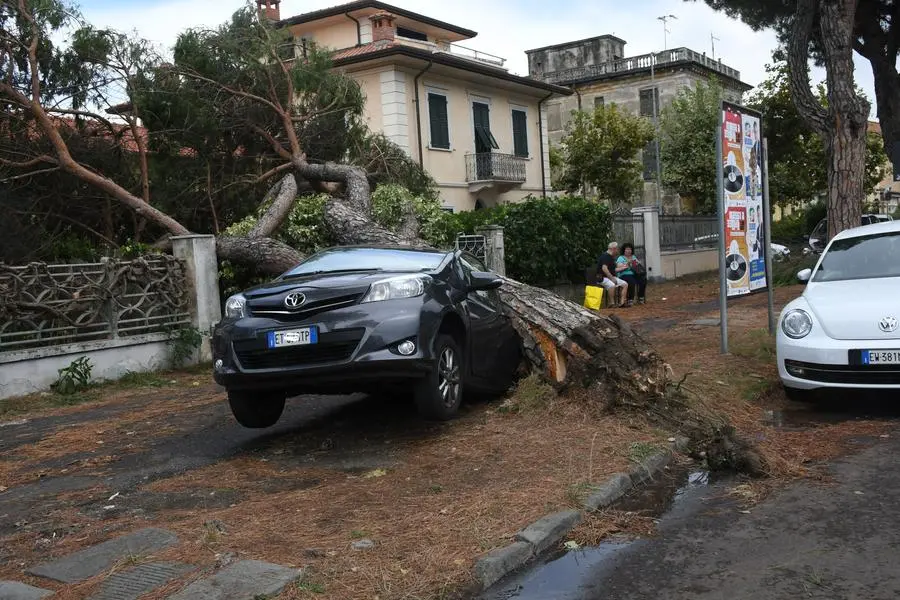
{"x": 121, "y": 314}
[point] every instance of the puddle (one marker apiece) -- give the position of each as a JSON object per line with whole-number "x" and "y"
{"x": 573, "y": 575}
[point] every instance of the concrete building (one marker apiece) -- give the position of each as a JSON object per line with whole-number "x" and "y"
{"x": 479, "y": 130}
{"x": 599, "y": 73}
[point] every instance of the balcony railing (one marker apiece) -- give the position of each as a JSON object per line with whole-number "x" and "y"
{"x": 493, "y": 166}
{"x": 454, "y": 50}
{"x": 639, "y": 63}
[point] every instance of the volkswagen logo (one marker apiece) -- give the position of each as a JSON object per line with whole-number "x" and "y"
{"x": 294, "y": 300}
{"x": 889, "y": 324}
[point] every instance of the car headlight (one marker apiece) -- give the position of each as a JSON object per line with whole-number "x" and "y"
{"x": 796, "y": 324}
{"x": 236, "y": 307}
{"x": 407, "y": 286}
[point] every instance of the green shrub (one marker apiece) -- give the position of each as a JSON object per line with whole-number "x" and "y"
{"x": 74, "y": 378}
{"x": 784, "y": 272}
{"x": 547, "y": 240}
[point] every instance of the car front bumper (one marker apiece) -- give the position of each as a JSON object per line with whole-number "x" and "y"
{"x": 818, "y": 361}
{"x": 356, "y": 351}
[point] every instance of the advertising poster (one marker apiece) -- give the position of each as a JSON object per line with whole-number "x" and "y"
{"x": 745, "y": 253}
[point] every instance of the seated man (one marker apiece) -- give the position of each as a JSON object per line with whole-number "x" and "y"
{"x": 606, "y": 268}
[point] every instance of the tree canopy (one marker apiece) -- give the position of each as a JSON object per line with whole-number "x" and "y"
{"x": 600, "y": 150}
{"x": 687, "y": 145}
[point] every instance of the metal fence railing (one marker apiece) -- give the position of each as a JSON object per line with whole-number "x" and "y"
{"x": 47, "y": 305}
{"x": 493, "y": 166}
{"x": 688, "y": 232}
{"x": 629, "y": 228}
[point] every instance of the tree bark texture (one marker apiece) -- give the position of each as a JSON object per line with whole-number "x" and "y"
{"x": 843, "y": 124}
{"x": 268, "y": 255}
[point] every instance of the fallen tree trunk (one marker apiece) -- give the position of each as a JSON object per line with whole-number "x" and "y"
{"x": 577, "y": 349}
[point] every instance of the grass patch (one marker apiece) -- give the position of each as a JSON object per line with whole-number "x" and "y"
{"x": 756, "y": 344}
{"x": 141, "y": 380}
{"x": 531, "y": 394}
{"x": 19, "y": 405}
{"x": 358, "y": 535}
{"x": 640, "y": 451}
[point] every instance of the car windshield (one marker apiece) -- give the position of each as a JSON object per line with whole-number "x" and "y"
{"x": 865, "y": 257}
{"x": 366, "y": 259}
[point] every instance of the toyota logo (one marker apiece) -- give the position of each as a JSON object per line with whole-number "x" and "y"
{"x": 294, "y": 300}
{"x": 888, "y": 324}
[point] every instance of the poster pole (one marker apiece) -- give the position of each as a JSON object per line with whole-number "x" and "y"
{"x": 720, "y": 202}
{"x": 766, "y": 220}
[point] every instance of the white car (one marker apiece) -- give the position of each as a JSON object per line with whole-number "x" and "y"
{"x": 844, "y": 331}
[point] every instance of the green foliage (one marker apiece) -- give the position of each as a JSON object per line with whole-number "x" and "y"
{"x": 74, "y": 378}
{"x": 798, "y": 164}
{"x": 183, "y": 343}
{"x": 789, "y": 229}
{"x": 390, "y": 201}
{"x": 304, "y": 230}
{"x": 548, "y": 240}
{"x": 688, "y": 147}
{"x": 600, "y": 149}
{"x": 785, "y": 271}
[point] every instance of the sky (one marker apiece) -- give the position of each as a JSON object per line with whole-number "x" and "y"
{"x": 505, "y": 28}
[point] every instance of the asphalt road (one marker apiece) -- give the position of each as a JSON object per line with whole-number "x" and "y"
{"x": 838, "y": 539}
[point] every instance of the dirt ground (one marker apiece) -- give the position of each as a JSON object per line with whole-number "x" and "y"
{"x": 163, "y": 451}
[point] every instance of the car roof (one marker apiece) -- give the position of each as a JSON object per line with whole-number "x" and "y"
{"x": 873, "y": 229}
{"x": 388, "y": 247}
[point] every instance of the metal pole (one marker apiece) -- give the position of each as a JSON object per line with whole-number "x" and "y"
{"x": 653, "y": 97}
{"x": 766, "y": 221}
{"x": 720, "y": 202}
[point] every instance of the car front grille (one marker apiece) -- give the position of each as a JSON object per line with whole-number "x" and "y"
{"x": 313, "y": 308}
{"x": 336, "y": 346}
{"x": 845, "y": 374}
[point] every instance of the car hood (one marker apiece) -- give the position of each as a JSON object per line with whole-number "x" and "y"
{"x": 317, "y": 290}
{"x": 853, "y": 310}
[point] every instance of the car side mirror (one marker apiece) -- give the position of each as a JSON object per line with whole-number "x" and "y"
{"x": 484, "y": 280}
{"x": 804, "y": 275}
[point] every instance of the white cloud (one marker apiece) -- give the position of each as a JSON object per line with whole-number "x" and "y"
{"x": 508, "y": 27}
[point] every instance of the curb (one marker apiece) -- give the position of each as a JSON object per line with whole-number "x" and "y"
{"x": 549, "y": 530}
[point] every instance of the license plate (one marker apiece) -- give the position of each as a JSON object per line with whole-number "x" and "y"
{"x": 881, "y": 357}
{"x": 292, "y": 337}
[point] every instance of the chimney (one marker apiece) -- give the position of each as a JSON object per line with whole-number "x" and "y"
{"x": 383, "y": 26}
{"x": 268, "y": 9}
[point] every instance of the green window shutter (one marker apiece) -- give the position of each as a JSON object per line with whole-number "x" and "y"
{"x": 440, "y": 124}
{"x": 520, "y": 133}
{"x": 482, "y": 118}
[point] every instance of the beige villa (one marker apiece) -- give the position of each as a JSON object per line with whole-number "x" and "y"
{"x": 479, "y": 130}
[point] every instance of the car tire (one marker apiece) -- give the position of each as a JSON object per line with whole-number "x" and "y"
{"x": 439, "y": 395}
{"x": 256, "y": 410}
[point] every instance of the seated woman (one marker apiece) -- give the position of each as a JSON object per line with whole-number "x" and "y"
{"x": 629, "y": 268}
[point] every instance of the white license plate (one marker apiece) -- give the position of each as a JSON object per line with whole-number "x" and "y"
{"x": 881, "y": 357}
{"x": 292, "y": 337}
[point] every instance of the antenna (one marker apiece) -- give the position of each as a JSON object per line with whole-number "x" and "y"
{"x": 713, "y": 39}
{"x": 665, "y": 21}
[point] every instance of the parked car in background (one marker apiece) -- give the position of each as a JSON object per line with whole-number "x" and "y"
{"x": 366, "y": 319}
{"x": 779, "y": 251}
{"x": 844, "y": 331}
{"x": 819, "y": 235}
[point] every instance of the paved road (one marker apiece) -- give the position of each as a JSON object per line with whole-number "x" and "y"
{"x": 835, "y": 540}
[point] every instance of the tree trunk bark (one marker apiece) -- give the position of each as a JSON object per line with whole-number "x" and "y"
{"x": 269, "y": 256}
{"x": 887, "y": 99}
{"x": 842, "y": 124}
{"x": 848, "y": 115}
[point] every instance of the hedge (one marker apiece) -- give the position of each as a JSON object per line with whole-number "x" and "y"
{"x": 547, "y": 240}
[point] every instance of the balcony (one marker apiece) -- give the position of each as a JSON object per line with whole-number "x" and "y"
{"x": 492, "y": 169}
{"x": 455, "y": 50}
{"x": 639, "y": 63}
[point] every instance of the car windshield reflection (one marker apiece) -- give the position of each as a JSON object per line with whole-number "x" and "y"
{"x": 355, "y": 260}
{"x": 866, "y": 257}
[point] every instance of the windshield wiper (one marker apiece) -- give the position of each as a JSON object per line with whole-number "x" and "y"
{"x": 330, "y": 272}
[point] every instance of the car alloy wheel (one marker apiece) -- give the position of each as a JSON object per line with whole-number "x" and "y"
{"x": 448, "y": 378}
{"x": 439, "y": 394}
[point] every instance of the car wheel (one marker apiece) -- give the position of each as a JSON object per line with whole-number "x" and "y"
{"x": 256, "y": 410}
{"x": 439, "y": 395}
